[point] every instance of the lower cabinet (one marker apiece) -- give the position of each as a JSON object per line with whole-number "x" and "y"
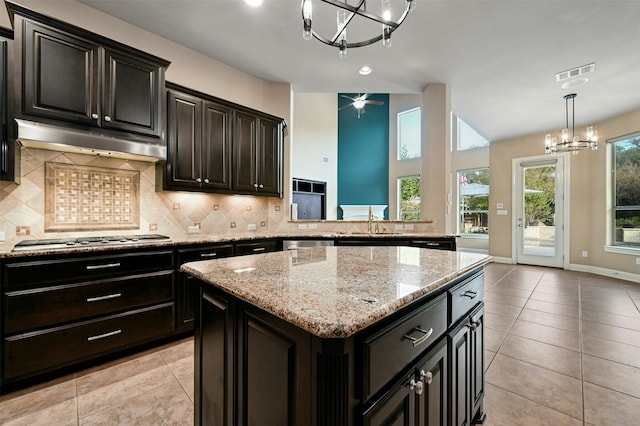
{"x": 418, "y": 398}
{"x": 466, "y": 343}
{"x": 186, "y": 291}
{"x": 410, "y": 369}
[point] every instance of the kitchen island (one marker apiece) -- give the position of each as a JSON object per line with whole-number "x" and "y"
{"x": 340, "y": 336}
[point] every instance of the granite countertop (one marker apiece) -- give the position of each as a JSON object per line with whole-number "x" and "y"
{"x": 334, "y": 292}
{"x": 6, "y": 247}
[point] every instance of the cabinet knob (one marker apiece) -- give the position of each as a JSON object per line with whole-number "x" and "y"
{"x": 473, "y": 324}
{"x": 198, "y": 180}
{"x": 206, "y": 181}
{"x": 107, "y": 118}
{"x": 416, "y": 387}
{"x": 261, "y": 186}
{"x": 94, "y": 116}
{"x": 427, "y": 376}
{"x": 255, "y": 185}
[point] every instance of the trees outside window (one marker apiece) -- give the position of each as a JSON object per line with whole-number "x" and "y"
{"x": 626, "y": 190}
{"x": 473, "y": 201}
{"x": 409, "y": 202}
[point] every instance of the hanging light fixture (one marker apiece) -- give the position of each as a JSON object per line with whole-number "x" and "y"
{"x": 574, "y": 144}
{"x": 359, "y": 11}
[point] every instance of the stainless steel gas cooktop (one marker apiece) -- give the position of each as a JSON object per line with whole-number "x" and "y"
{"x": 52, "y": 244}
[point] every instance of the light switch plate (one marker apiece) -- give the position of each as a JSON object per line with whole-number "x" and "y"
{"x": 193, "y": 229}
{"x": 251, "y": 227}
{"x": 499, "y": 205}
{"x": 313, "y": 226}
{"x": 302, "y": 226}
{"x": 502, "y": 212}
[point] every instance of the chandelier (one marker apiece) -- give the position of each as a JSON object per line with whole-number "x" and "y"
{"x": 574, "y": 144}
{"x": 361, "y": 17}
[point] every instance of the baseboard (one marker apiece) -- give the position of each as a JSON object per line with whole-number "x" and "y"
{"x": 498, "y": 259}
{"x": 472, "y": 250}
{"x": 612, "y": 273}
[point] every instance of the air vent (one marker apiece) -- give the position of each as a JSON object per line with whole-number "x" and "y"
{"x": 575, "y": 72}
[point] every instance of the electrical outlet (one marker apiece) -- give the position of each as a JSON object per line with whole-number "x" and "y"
{"x": 2, "y": 236}
{"x": 585, "y": 253}
{"x": 193, "y": 229}
{"x": 302, "y": 226}
{"x": 408, "y": 226}
{"x": 398, "y": 227}
{"x": 313, "y": 226}
{"x": 251, "y": 227}
{"x": 637, "y": 260}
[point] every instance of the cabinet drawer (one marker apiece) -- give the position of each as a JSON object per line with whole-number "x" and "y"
{"x": 205, "y": 253}
{"x": 256, "y": 247}
{"x": 81, "y": 268}
{"x": 389, "y": 351}
{"x": 31, "y": 353}
{"x": 434, "y": 244}
{"x": 465, "y": 296}
{"x": 42, "y": 307}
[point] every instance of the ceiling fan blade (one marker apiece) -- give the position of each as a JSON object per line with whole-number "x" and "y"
{"x": 346, "y": 106}
{"x": 348, "y": 97}
{"x": 370, "y": 102}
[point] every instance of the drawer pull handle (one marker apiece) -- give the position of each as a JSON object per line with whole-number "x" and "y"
{"x": 470, "y": 294}
{"x": 427, "y": 376}
{"x": 417, "y": 387}
{"x": 102, "y": 336}
{"x": 419, "y": 340}
{"x": 205, "y": 255}
{"x": 259, "y": 249}
{"x": 473, "y": 324}
{"x": 108, "y": 296}
{"x": 105, "y": 266}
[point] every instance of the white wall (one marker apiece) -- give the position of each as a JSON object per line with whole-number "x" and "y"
{"x": 314, "y": 136}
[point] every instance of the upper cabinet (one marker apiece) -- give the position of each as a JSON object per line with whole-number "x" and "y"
{"x": 217, "y": 146}
{"x": 258, "y": 155}
{"x": 7, "y": 152}
{"x": 71, "y": 75}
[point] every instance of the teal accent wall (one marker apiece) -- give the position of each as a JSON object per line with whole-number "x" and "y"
{"x": 363, "y": 153}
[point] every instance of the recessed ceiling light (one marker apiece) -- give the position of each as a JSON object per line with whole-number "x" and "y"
{"x": 365, "y": 70}
{"x": 254, "y": 3}
{"x": 574, "y": 83}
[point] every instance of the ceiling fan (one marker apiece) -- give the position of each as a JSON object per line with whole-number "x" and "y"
{"x": 359, "y": 102}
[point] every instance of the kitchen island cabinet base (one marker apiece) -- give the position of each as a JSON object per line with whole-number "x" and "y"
{"x": 252, "y": 367}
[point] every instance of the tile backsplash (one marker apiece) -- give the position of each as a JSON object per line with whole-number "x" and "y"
{"x": 165, "y": 212}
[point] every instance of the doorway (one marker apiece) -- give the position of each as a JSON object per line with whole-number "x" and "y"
{"x": 539, "y": 211}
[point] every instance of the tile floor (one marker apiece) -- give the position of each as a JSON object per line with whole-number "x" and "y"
{"x": 562, "y": 348}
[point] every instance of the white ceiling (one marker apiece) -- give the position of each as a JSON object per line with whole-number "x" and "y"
{"x": 498, "y": 58}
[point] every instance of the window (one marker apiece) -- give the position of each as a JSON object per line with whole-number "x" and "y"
{"x": 473, "y": 201}
{"x": 409, "y": 134}
{"x": 409, "y": 198}
{"x": 467, "y": 137}
{"x": 626, "y": 191}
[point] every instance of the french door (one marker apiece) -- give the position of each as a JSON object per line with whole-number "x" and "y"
{"x": 539, "y": 211}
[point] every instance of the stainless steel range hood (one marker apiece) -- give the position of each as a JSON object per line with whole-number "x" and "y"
{"x": 56, "y": 138}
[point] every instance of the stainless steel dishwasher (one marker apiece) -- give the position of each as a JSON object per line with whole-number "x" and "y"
{"x": 305, "y": 244}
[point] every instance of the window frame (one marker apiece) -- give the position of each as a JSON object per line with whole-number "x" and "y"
{"x": 613, "y": 245}
{"x": 458, "y": 138}
{"x": 399, "y": 198}
{"x": 399, "y": 132}
{"x": 459, "y": 211}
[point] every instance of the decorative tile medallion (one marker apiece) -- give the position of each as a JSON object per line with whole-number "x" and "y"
{"x": 87, "y": 198}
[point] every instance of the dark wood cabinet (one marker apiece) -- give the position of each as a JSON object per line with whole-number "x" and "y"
{"x": 198, "y": 143}
{"x": 80, "y": 307}
{"x": 419, "y": 397}
{"x": 186, "y": 289}
{"x": 467, "y": 369}
{"x": 69, "y": 74}
{"x": 409, "y": 369}
{"x": 439, "y": 243}
{"x": 7, "y": 147}
{"x": 217, "y": 146}
{"x": 257, "y": 155}
{"x": 310, "y": 197}
{"x": 256, "y": 247}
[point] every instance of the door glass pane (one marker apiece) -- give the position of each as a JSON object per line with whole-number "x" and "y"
{"x": 539, "y": 210}
{"x": 409, "y": 198}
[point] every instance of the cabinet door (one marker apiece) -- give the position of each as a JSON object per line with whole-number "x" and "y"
{"x": 184, "y": 147}
{"x": 477, "y": 364}
{"x": 396, "y": 409}
{"x": 214, "y": 372}
{"x": 432, "y": 404}
{"x": 460, "y": 376}
{"x": 7, "y": 160}
{"x": 60, "y": 75}
{"x": 270, "y": 158}
{"x": 131, "y": 98}
{"x": 274, "y": 379}
{"x": 216, "y": 147}
{"x": 244, "y": 153}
